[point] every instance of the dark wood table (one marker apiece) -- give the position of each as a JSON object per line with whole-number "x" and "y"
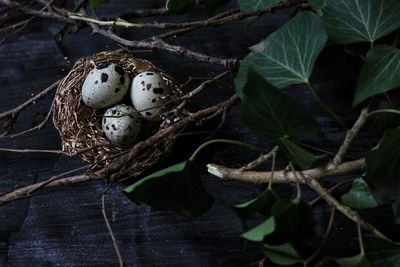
{"x": 65, "y": 227}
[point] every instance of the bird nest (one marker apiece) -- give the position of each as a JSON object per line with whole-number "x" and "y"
{"x": 79, "y": 125}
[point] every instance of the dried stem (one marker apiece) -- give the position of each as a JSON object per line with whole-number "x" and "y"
{"x": 174, "y": 49}
{"x": 183, "y": 25}
{"x": 260, "y": 177}
{"x": 110, "y": 231}
{"x": 324, "y": 239}
{"x": 14, "y": 112}
{"x": 350, "y": 135}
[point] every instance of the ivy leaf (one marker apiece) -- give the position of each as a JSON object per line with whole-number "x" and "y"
{"x": 270, "y": 112}
{"x": 353, "y": 21}
{"x": 212, "y": 5}
{"x": 379, "y": 74}
{"x": 263, "y": 203}
{"x": 353, "y": 261}
{"x": 179, "y": 6}
{"x": 286, "y": 212}
{"x": 317, "y": 4}
{"x": 254, "y": 5}
{"x": 178, "y": 187}
{"x": 289, "y": 53}
{"x": 282, "y": 254}
{"x": 381, "y": 253}
{"x": 258, "y": 233}
{"x": 300, "y": 157}
{"x": 396, "y": 210}
{"x": 96, "y": 3}
{"x": 383, "y": 170}
{"x": 279, "y": 228}
{"x": 359, "y": 196}
{"x": 382, "y": 122}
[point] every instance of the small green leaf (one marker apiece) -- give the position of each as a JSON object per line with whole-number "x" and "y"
{"x": 383, "y": 170}
{"x": 317, "y": 4}
{"x": 382, "y": 122}
{"x": 254, "y": 5}
{"x": 96, "y": 3}
{"x": 270, "y": 112}
{"x": 300, "y": 157}
{"x": 294, "y": 220}
{"x": 379, "y": 74}
{"x": 212, "y": 5}
{"x": 263, "y": 204}
{"x": 360, "y": 196}
{"x": 179, "y": 6}
{"x": 353, "y": 21}
{"x": 178, "y": 187}
{"x": 282, "y": 255}
{"x": 381, "y": 253}
{"x": 354, "y": 261}
{"x": 396, "y": 210}
{"x": 288, "y": 54}
{"x": 258, "y": 233}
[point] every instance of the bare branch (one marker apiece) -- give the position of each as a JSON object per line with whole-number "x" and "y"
{"x": 350, "y": 135}
{"x": 283, "y": 176}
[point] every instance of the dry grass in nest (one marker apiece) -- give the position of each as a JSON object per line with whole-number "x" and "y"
{"x": 79, "y": 126}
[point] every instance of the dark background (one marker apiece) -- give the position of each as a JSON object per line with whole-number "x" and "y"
{"x": 65, "y": 227}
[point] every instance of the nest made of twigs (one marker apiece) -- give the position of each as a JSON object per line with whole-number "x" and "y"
{"x": 79, "y": 126}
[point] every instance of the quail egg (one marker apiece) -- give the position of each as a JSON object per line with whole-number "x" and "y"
{"x": 149, "y": 94}
{"x": 121, "y": 124}
{"x": 105, "y": 85}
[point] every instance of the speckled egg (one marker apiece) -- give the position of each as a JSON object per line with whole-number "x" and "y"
{"x": 149, "y": 94}
{"x": 105, "y": 85}
{"x": 121, "y": 124}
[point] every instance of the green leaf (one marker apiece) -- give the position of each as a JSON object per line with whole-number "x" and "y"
{"x": 263, "y": 203}
{"x": 254, "y": 5}
{"x": 179, "y": 6}
{"x": 300, "y": 157}
{"x": 178, "y": 187}
{"x": 396, "y": 210}
{"x": 317, "y": 4}
{"x": 96, "y": 3}
{"x": 279, "y": 228}
{"x": 212, "y": 5}
{"x": 258, "y": 233}
{"x": 282, "y": 255}
{"x": 381, "y": 253}
{"x": 379, "y": 74}
{"x": 354, "y": 261}
{"x": 353, "y": 21}
{"x": 287, "y": 56}
{"x": 359, "y": 196}
{"x": 383, "y": 172}
{"x": 382, "y": 122}
{"x": 294, "y": 220}
{"x": 270, "y": 112}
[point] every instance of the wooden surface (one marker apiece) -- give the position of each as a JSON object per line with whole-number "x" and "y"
{"x": 64, "y": 226}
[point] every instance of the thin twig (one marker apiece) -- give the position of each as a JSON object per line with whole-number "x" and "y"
{"x": 350, "y": 135}
{"x": 173, "y": 49}
{"x": 110, "y": 231}
{"x": 324, "y": 239}
{"x": 330, "y": 190}
{"x": 13, "y": 112}
{"x": 193, "y": 24}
